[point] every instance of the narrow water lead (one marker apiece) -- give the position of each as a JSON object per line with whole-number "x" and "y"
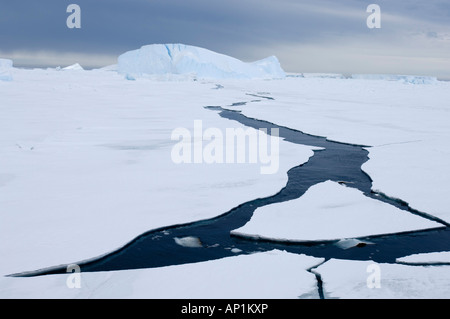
{"x": 336, "y": 162}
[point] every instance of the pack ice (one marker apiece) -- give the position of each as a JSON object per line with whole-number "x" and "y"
{"x": 180, "y": 59}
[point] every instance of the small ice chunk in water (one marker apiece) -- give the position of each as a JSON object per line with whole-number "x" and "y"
{"x": 190, "y": 241}
{"x": 347, "y": 243}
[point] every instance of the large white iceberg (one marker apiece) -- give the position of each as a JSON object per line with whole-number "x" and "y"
{"x": 180, "y": 59}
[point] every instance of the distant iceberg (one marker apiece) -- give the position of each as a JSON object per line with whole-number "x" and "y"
{"x": 180, "y": 59}
{"x": 411, "y": 79}
{"x": 74, "y": 67}
{"x": 5, "y": 67}
{"x": 324, "y": 75}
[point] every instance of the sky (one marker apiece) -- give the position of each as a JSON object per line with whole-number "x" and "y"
{"x": 326, "y": 36}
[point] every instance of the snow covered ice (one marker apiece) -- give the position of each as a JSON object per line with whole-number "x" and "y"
{"x": 96, "y": 164}
{"x": 284, "y": 276}
{"x": 189, "y": 241}
{"x": 85, "y": 167}
{"x": 426, "y": 258}
{"x": 351, "y": 280}
{"x": 341, "y": 213}
{"x": 405, "y": 125}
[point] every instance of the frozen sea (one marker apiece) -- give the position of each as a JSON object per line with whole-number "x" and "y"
{"x": 86, "y": 168}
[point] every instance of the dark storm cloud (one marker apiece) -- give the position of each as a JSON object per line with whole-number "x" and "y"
{"x": 246, "y": 29}
{"x": 117, "y": 25}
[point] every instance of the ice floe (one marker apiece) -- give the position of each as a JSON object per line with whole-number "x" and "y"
{"x": 348, "y": 279}
{"x": 426, "y": 258}
{"x": 329, "y": 211}
{"x": 270, "y": 275}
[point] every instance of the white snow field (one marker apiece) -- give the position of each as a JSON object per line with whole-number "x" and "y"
{"x": 347, "y": 279}
{"x": 341, "y": 212}
{"x": 284, "y": 276}
{"x": 180, "y": 59}
{"x": 86, "y": 166}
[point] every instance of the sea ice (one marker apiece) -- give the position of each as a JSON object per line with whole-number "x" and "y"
{"x": 347, "y": 243}
{"x": 329, "y": 211}
{"x": 416, "y": 172}
{"x": 190, "y": 241}
{"x": 426, "y": 258}
{"x": 270, "y": 275}
{"x": 86, "y": 168}
{"x": 406, "y": 127}
{"x": 347, "y": 279}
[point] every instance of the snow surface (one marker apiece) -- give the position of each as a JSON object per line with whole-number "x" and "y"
{"x": 284, "y": 276}
{"x": 349, "y": 280}
{"x": 426, "y": 258}
{"x": 180, "y": 59}
{"x": 85, "y": 164}
{"x": 422, "y": 163}
{"x": 329, "y": 211}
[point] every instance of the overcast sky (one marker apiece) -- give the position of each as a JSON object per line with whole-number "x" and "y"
{"x": 306, "y": 36}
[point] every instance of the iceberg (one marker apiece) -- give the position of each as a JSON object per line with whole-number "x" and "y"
{"x": 408, "y": 79}
{"x": 5, "y": 67}
{"x": 74, "y": 67}
{"x": 6, "y": 64}
{"x": 324, "y": 75}
{"x": 185, "y": 60}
